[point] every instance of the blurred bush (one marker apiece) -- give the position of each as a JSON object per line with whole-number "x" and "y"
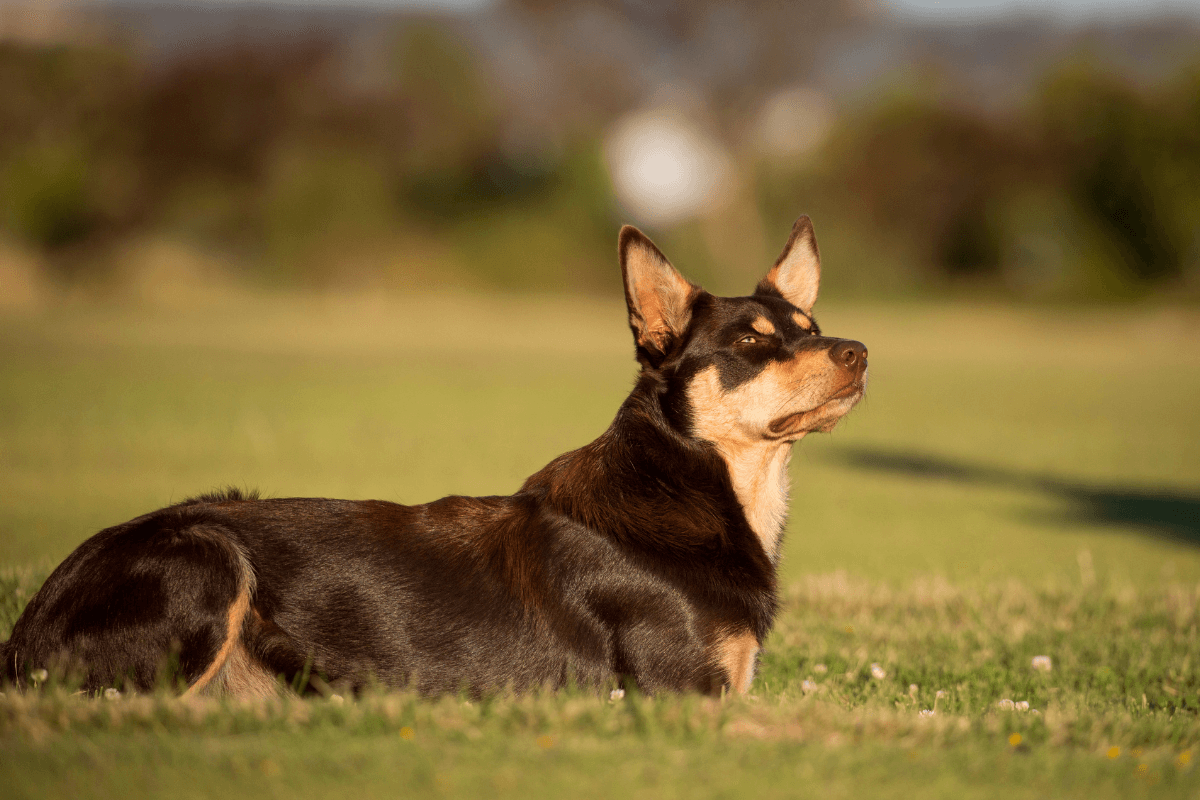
{"x": 292, "y": 169}
{"x": 1130, "y": 161}
{"x": 272, "y": 164}
{"x": 1092, "y": 191}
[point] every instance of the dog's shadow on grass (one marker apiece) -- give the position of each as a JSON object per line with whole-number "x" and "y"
{"x": 1168, "y": 513}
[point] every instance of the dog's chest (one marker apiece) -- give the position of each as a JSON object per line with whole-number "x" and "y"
{"x": 759, "y": 474}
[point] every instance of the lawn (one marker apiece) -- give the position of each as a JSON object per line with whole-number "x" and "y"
{"x": 1018, "y": 483}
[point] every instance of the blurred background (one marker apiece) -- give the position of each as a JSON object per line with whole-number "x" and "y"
{"x": 367, "y": 249}
{"x": 984, "y": 147}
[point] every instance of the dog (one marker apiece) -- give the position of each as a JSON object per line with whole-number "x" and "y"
{"x": 645, "y": 558}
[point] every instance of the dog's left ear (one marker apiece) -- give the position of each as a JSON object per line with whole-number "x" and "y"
{"x": 796, "y": 276}
{"x": 658, "y": 297}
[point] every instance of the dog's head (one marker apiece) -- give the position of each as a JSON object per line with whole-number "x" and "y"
{"x": 740, "y": 370}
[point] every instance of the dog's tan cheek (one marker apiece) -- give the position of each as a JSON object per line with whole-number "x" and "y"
{"x": 713, "y": 415}
{"x": 740, "y": 415}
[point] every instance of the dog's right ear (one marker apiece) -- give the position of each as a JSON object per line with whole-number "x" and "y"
{"x": 658, "y": 297}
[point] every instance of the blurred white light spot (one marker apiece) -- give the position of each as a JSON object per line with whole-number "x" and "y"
{"x": 794, "y": 122}
{"x": 1041, "y": 663}
{"x": 878, "y": 672}
{"x": 664, "y": 168}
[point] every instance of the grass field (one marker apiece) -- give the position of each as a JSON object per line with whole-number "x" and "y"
{"x": 1018, "y": 483}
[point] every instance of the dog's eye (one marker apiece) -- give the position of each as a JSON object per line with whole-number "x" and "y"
{"x": 748, "y": 340}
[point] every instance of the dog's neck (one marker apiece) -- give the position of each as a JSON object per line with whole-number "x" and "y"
{"x": 757, "y": 467}
{"x": 673, "y": 489}
{"x": 759, "y": 474}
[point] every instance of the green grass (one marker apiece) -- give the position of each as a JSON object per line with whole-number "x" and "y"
{"x": 1017, "y": 483}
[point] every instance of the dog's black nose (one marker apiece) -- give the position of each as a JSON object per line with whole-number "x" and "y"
{"x": 849, "y": 355}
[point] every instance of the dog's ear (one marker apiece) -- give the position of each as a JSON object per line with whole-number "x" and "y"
{"x": 797, "y": 274}
{"x": 659, "y": 298}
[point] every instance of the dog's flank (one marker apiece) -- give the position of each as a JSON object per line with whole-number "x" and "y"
{"x": 647, "y": 555}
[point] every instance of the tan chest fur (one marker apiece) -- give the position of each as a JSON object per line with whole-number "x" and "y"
{"x": 760, "y": 479}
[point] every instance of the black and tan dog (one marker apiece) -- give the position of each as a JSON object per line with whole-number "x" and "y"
{"x": 648, "y": 555}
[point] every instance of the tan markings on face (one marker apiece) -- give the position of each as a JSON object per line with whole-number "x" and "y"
{"x": 737, "y": 653}
{"x": 763, "y": 326}
{"x": 233, "y": 635}
{"x": 738, "y": 422}
{"x": 802, "y": 321}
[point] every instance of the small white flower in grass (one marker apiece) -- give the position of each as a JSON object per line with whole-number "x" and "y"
{"x": 877, "y": 672}
{"x": 1006, "y": 705}
{"x": 1042, "y": 663}
{"x": 926, "y": 712}
{"x": 940, "y": 693}
{"x": 336, "y": 699}
{"x": 1022, "y": 705}
{"x": 616, "y": 694}
{"x": 808, "y": 685}
{"x": 39, "y": 676}
{"x": 820, "y": 669}
{"x": 112, "y": 694}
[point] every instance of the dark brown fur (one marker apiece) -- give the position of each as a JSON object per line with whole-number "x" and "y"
{"x": 644, "y": 556}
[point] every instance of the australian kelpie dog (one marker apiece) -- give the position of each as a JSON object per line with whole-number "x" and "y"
{"x": 648, "y": 555}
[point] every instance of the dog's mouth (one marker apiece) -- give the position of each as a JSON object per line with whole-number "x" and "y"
{"x": 821, "y": 417}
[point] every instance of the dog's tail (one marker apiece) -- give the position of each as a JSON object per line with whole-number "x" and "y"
{"x": 238, "y": 610}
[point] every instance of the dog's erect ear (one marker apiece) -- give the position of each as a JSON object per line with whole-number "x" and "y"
{"x": 659, "y": 298}
{"x": 797, "y": 274}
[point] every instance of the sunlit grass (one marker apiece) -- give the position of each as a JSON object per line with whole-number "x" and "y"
{"x": 1016, "y": 486}
{"x": 933, "y": 682}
